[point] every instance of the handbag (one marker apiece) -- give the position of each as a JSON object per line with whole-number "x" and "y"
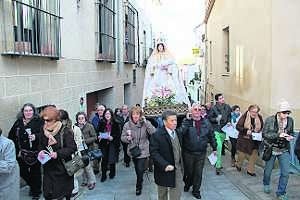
{"x": 135, "y": 151}
{"x": 267, "y": 153}
{"x": 95, "y": 154}
{"x": 76, "y": 163}
{"x": 29, "y": 157}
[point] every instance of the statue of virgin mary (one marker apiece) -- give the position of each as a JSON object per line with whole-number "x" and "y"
{"x": 162, "y": 78}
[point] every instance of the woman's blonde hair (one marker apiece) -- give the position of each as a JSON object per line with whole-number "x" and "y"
{"x": 136, "y": 109}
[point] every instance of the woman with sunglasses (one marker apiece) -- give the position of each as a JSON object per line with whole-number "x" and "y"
{"x": 25, "y": 133}
{"x": 58, "y": 142}
{"x": 279, "y": 131}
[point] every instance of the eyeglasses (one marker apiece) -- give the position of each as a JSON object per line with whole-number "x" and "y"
{"x": 286, "y": 112}
{"x": 48, "y": 120}
{"x": 198, "y": 109}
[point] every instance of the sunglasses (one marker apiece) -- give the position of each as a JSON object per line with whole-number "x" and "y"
{"x": 48, "y": 120}
{"x": 198, "y": 109}
{"x": 286, "y": 112}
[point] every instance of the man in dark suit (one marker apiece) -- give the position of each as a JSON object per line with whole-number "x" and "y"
{"x": 125, "y": 118}
{"x": 165, "y": 151}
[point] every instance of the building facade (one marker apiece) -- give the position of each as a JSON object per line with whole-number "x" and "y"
{"x": 252, "y": 53}
{"x": 58, "y": 52}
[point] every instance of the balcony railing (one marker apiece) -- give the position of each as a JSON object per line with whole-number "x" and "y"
{"x": 31, "y": 29}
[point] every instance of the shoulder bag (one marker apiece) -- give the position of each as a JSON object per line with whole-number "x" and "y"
{"x": 135, "y": 151}
{"x": 76, "y": 163}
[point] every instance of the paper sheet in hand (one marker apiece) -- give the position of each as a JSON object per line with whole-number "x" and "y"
{"x": 44, "y": 158}
{"x": 230, "y": 131}
{"x": 257, "y": 136}
{"x": 212, "y": 158}
{"x": 104, "y": 135}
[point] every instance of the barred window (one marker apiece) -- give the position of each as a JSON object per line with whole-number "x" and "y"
{"x": 129, "y": 53}
{"x": 35, "y": 30}
{"x": 105, "y": 33}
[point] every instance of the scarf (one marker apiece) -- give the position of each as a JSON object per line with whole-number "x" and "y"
{"x": 234, "y": 116}
{"x": 26, "y": 121}
{"x": 282, "y": 123}
{"x": 108, "y": 127}
{"x": 248, "y": 125}
{"x": 51, "y": 131}
{"x": 197, "y": 125}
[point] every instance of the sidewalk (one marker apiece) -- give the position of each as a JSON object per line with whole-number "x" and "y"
{"x": 233, "y": 185}
{"x": 252, "y": 187}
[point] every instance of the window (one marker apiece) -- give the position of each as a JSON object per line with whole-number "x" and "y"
{"x": 226, "y": 48}
{"x": 35, "y": 30}
{"x": 105, "y": 33}
{"x": 145, "y": 57}
{"x": 130, "y": 15}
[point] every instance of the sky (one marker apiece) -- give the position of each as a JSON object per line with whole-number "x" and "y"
{"x": 176, "y": 19}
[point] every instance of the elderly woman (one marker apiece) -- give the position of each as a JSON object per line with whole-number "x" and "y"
{"x": 109, "y": 139}
{"x": 249, "y": 123}
{"x": 136, "y": 132}
{"x": 9, "y": 170}
{"x": 89, "y": 139}
{"x": 25, "y": 133}
{"x": 58, "y": 140}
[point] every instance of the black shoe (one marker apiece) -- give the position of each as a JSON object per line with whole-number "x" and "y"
{"x": 96, "y": 172}
{"x": 251, "y": 174}
{"x": 218, "y": 171}
{"x": 127, "y": 165}
{"x": 35, "y": 197}
{"x": 150, "y": 169}
{"x": 186, "y": 188}
{"x": 111, "y": 176}
{"x": 103, "y": 178}
{"x": 238, "y": 168}
{"x": 138, "y": 192}
{"x": 197, "y": 195}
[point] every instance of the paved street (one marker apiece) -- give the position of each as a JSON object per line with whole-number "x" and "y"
{"x": 232, "y": 185}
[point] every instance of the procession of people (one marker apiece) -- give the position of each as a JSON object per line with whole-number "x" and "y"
{"x": 40, "y": 144}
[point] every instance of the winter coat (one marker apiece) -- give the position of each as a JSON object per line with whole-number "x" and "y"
{"x": 270, "y": 131}
{"x": 110, "y": 148}
{"x": 89, "y": 135}
{"x": 191, "y": 142}
{"x": 18, "y": 134}
{"x": 9, "y": 170}
{"x": 161, "y": 151}
{"x": 140, "y": 133}
{"x": 223, "y": 110}
{"x": 56, "y": 182}
{"x": 245, "y": 143}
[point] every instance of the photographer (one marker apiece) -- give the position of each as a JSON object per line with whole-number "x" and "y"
{"x": 278, "y": 131}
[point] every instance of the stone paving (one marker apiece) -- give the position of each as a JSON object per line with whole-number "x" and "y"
{"x": 233, "y": 185}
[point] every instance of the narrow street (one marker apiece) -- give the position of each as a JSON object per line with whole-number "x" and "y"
{"x": 232, "y": 185}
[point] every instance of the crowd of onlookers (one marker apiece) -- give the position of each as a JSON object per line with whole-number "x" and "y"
{"x": 175, "y": 146}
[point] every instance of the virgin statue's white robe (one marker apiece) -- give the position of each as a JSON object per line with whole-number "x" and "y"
{"x": 162, "y": 78}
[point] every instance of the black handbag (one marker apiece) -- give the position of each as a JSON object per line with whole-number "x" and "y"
{"x": 76, "y": 163}
{"x": 95, "y": 154}
{"x": 135, "y": 151}
{"x": 267, "y": 153}
{"x": 29, "y": 157}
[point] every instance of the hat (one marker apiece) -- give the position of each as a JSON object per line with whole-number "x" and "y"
{"x": 284, "y": 106}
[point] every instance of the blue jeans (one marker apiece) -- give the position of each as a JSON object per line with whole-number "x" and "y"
{"x": 284, "y": 164}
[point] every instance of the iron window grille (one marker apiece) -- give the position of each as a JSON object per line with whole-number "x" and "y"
{"x": 105, "y": 34}
{"x": 130, "y": 18}
{"x": 32, "y": 28}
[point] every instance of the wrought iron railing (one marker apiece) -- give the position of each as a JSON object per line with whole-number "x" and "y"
{"x": 31, "y": 28}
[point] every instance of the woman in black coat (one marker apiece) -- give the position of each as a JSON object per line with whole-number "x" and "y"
{"x": 57, "y": 184}
{"x": 109, "y": 139}
{"x": 25, "y": 133}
